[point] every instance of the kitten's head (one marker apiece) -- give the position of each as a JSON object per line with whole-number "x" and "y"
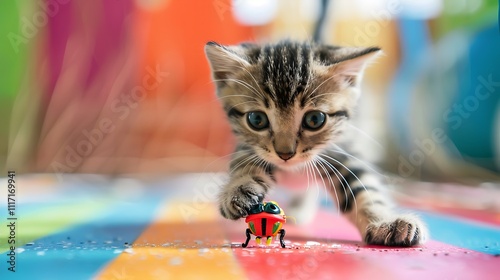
{"x": 288, "y": 100}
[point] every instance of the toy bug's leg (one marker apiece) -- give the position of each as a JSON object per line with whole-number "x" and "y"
{"x": 282, "y": 236}
{"x": 257, "y": 240}
{"x": 268, "y": 241}
{"x": 244, "y": 245}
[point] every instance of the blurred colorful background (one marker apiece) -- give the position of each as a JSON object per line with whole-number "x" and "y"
{"x": 123, "y": 87}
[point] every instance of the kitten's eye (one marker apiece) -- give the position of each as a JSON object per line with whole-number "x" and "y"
{"x": 257, "y": 120}
{"x": 314, "y": 120}
{"x": 272, "y": 208}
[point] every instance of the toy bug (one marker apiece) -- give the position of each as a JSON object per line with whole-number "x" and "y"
{"x": 265, "y": 219}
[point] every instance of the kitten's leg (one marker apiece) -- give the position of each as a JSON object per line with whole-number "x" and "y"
{"x": 363, "y": 198}
{"x": 250, "y": 179}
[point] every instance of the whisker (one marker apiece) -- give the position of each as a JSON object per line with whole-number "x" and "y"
{"x": 237, "y": 95}
{"x": 255, "y": 81}
{"x": 260, "y": 93}
{"x": 319, "y": 174}
{"x": 240, "y": 82}
{"x": 220, "y": 158}
{"x": 241, "y": 103}
{"x": 330, "y": 179}
{"x": 336, "y": 172}
{"x": 366, "y": 135}
{"x": 350, "y": 190}
{"x": 368, "y": 165}
{"x": 312, "y": 92}
{"x": 315, "y": 178}
{"x": 307, "y": 175}
{"x": 322, "y": 94}
{"x": 257, "y": 164}
{"x": 251, "y": 163}
{"x": 249, "y": 158}
{"x": 350, "y": 171}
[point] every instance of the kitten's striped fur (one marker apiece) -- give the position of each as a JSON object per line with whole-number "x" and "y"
{"x": 286, "y": 81}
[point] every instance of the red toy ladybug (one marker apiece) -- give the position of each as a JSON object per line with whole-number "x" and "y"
{"x": 265, "y": 219}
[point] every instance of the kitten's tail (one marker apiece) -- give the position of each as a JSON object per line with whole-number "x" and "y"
{"x": 320, "y": 24}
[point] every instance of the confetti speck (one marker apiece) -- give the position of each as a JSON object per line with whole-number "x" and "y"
{"x": 203, "y": 251}
{"x": 175, "y": 261}
{"x": 286, "y": 251}
{"x": 129, "y": 251}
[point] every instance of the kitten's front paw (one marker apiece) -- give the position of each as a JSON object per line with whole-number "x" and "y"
{"x": 236, "y": 202}
{"x": 403, "y": 231}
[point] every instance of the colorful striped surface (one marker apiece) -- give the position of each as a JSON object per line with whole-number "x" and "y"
{"x": 169, "y": 229}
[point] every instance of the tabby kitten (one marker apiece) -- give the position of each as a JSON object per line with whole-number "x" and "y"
{"x": 288, "y": 104}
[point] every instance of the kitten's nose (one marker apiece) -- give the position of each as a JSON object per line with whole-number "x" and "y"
{"x": 286, "y": 155}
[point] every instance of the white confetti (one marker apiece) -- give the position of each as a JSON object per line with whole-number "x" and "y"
{"x": 286, "y": 251}
{"x": 129, "y": 251}
{"x": 175, "y": 261}
{"x": 117, "y": 251}
{"x": 312, "y": 243}
{"x": 41, "y": 253}
{"x": 203, "y": 251}
{"x": 20, "y": 250}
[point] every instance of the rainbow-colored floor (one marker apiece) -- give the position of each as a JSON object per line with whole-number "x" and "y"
{"x": 90, "y": 227}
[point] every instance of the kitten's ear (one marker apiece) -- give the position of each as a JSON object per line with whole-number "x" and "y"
{"x": 225, "y": 61}
{"x": 350, "y": 62}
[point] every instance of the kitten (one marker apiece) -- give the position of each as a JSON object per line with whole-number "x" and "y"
{"x": 288, "y": 104}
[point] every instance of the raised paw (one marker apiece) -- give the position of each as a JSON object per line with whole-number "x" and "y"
{"x": 403, "y": 231}
{"x": 236, "y": 201}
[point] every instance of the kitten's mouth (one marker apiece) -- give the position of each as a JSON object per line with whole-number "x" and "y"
{"x": 289, "y": 164}
{"x": 292, "y": 163}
